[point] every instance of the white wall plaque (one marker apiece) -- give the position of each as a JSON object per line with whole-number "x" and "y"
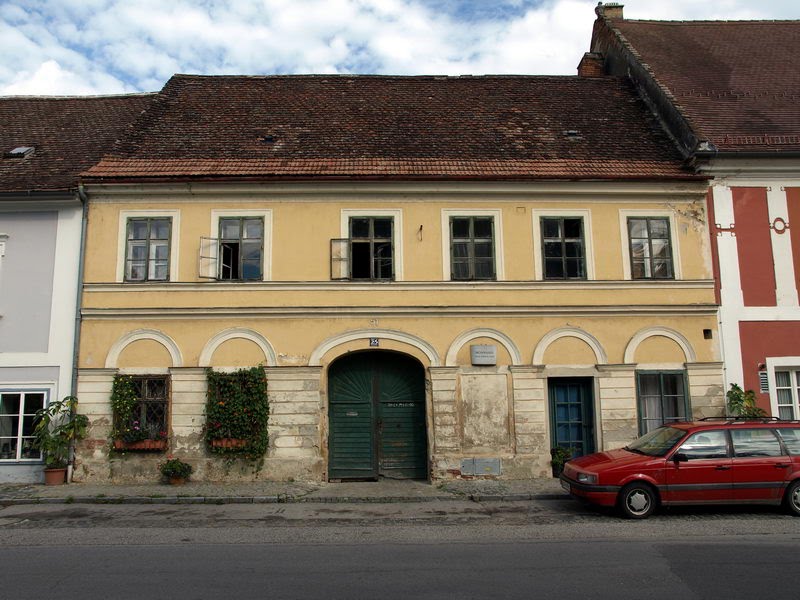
{"x": 483, "y": 354}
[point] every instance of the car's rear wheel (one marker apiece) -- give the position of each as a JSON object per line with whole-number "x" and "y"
{"x": 792, "y": 498}
{"x": 637, "y": 501}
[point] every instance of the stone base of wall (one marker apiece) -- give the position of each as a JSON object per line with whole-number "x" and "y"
{"x": 511, "y": 467}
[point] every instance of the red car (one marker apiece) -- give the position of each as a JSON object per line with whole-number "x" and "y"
{"x": 713, "y": 461}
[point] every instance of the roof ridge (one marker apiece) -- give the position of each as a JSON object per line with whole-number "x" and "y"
{"x": 707, "y": 21}
{"x": 85, "y": 97}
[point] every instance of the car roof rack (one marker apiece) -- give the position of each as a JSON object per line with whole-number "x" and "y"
{"x": 734, "y": 418}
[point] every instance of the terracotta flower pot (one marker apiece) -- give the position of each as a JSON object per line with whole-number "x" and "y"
{"x": 228, "y": 443}
{"x": 177, "y": 480}
{"x": 141, "y": 445}
{"x": 55, "y": 476}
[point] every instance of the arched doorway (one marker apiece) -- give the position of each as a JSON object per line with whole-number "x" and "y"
{"x": 376, "y": 411}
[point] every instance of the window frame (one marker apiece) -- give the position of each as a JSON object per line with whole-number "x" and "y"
{"x": 212, "y": 242}
{"x": 687, "y": 404}
{"x": 371, "y": 239}
{"x": 792, "y": 365}
{"x": 241, "y": 241}
{"x": 538, "y": 243}
{"x": 396, "y": 215}
{"x": 563, "y": 240}
{"x": 471, "y": 242}
{"x": 174, "y": 244}
{"x": 627, "y": 262}
{"x": 23, "y": 390}
{"x": 497, "y": 233}
{"x": 167, "y": 401}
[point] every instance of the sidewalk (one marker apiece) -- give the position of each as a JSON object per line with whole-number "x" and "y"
{"x": 262, "y": 492}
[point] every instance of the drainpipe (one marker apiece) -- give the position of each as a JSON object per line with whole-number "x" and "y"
{"x": 78, "y": 305}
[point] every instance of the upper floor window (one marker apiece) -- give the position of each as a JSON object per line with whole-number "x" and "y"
{"x": 787, "y": 391}
{"x": 368, "y": 252}
{"x": 241, "y": 248}
{"x": 650, "y": 248}
{"x": 17, "y": 412}
{"x": 147, "y": 248}
{"x": 472, "y": 248}
{"x": 662, "y": 399}
{"x": 563, "y": 248}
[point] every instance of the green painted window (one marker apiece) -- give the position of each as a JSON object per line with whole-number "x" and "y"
{"x": 650, "y": 248}
{"x": 662, "y": 398}
{"x": 472, "y": 248}
{"x": 241, "y": 248}
{"x": 147, "y": 249}
{"x": 563, "y": 248}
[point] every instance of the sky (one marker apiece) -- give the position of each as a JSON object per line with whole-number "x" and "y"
{"x": 81, "y": 47}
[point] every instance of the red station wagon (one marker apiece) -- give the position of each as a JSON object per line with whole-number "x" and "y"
{"x": 713, "y": 461}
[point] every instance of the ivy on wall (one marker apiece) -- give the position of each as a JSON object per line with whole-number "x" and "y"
{"x": 237, "y": 412}
{"x": 123, "y": 401}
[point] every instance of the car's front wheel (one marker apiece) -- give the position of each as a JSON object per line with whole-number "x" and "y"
{"x": 792, "y": 498}
{"x": 637, "y": 501}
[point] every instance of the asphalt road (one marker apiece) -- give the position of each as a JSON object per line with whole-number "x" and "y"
{"x": 543, "y": 549}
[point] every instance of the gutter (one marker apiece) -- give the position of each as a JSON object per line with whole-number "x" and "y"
{"x": 78, "y": 308}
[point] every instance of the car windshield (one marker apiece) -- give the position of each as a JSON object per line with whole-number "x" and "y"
{"x": 658, "y": 442}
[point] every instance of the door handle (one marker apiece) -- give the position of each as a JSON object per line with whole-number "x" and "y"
{"x": 781, "y": 465}
{"x": 723, "y": 468}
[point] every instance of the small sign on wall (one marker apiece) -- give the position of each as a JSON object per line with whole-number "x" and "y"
{"x": 483, "y": 354}
{"x": 374, "y": 342}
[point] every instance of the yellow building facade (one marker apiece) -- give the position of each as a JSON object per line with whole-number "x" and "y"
{"x": 523, "y": 316}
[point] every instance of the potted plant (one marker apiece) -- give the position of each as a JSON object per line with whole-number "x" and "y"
{"x": 175, "y": 470}
{"x": 558, "y": 457}
{"x": 56, "y": 427}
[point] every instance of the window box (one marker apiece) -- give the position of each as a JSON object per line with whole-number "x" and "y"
{"x": 229, "y": 443}
{"x": 141, "y": 445}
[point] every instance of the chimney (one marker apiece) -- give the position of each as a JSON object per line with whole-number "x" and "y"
{"x": 609, "y": 10}
{"x": 591, "y": 65}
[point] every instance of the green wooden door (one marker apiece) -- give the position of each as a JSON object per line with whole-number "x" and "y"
{"x": 377, "y": 417}
{"x": 572, "y": 414}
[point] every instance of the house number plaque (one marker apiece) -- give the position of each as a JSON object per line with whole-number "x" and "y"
{"x": 374, "y": 342}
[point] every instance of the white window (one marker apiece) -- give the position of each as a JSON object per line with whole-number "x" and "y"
{"x": 148, "y": 246}
{"x": 783, "y": 376}
{"x": 649, "y": 245}
{"x": 239, "y": 248}
{"x": 17, "y": 413}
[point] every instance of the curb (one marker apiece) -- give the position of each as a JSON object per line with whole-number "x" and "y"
{"x": 279, "y": 499}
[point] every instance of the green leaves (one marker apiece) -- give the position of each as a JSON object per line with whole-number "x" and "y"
{"x": 56, "y": 427}
{"x": 123, "y": 400}
{"x": 237, "y": 408}
{"x": 743, "y": 404}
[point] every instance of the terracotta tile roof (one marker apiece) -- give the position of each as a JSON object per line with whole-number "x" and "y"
{"x": 68, "y": 135}
{"x": 493, "y": 127}
{"x": 737, "y": 82}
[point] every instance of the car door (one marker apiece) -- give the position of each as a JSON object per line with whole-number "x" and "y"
{"x": 759, "y": 465}
{"x": 700, "y": 470}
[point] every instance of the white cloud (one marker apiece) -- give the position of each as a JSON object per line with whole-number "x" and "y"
{"x": 111, "y": 46}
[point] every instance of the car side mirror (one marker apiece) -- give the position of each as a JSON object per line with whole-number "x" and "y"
{"x": 679, "y": 457}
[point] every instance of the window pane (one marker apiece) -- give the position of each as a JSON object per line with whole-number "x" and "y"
{"x": 33, "y": 402}
{"x": 8, "y": 448}
{"x": 136, "y": 272}
{"x": 460, "y": 249}
{"x": 786, "y": 412}
{"x": 791, "y": 439}
{"x": 158, "y": 271}
{"x": 359, "y": 228}
{"x": 639, "y": 250}
{"x": 782, "y": 378}
{"x": 251, "y": 251}
{"x": 9, "y": 426}
{"x": 575, "y": 268}
{"x": 229, "y": 229}
{"x": 483, "y": 249}
{"x": 553, "y": 268}
{"x": 9, "y": 404}
{"x": 673, "y": 384}
{"x": 137, "y": 229}
{"x": 253, "y": 228}
{"x": 572, "y": 228}
{"x": 573, "y": 249}
{"x": 551, "y": 228}
{"x": 460, "y": 227}
{"x": 383, "y": 228}
{"x": 484, "y": 269}
{"x": 784, "y": 397}
{"x": 159, "y": 250}
{"x": 159, "y": 229}
{"x": 137, "y": 250}
{"x": 637, "y": 228}
{"x": 460, "y": 270}
{"x": 660, "y": 249}
{"x": 483, "y": 228}
{"x": 552, "y": 249}
{"x": 662, "y": 269}
{"x": 658, "y": 228}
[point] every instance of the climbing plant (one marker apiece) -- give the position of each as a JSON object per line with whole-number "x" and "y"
{"x": 237, "y": 412}
{"x": 124, "y": 398}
